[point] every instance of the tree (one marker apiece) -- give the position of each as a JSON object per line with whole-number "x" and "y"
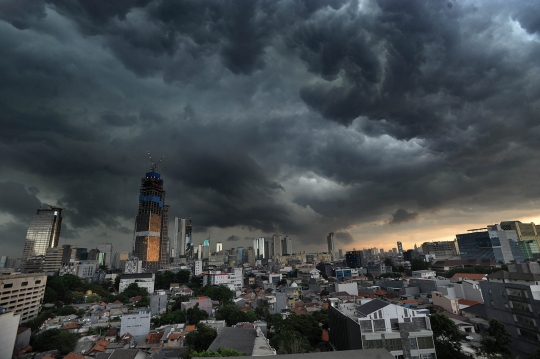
{"x": 92, "y": 298}
{"x": 221, "y": 352}
{"x": 53, "y": 339}
{"x": 50, "y": 295}
{"x": 447, "y": 336}
{"x": 418, "y": 264}
{"x": 201, "y": 338}
{"x": 220, "y": 293}
{"x": 183, "y": 276}
{"x": 195, "y": 315}
{"x": 233, "y": 315}
{"x": 290, "y": 342}
{"x": 321, "y": 316}
{"x": 496, "y": 344}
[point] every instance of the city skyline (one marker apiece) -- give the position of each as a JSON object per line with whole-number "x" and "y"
{"x": 377, "y": 121}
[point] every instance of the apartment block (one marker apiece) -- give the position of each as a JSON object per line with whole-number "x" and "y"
{"x": 22, "y": 293}
{"x": 405, "y": 333}
{"x": 143, "y": 280}
{"x": 513, "y": 298}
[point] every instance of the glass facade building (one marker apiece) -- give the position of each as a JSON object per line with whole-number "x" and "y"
{"x": 43, "y": 232}
{"x": 490, "y": 243}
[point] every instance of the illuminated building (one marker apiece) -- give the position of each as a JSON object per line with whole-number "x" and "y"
{"x": 150, "y": 238}
{"x": 43, "y": 232}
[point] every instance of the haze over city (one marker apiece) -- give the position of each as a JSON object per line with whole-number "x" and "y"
{"x": 379, "y": 121}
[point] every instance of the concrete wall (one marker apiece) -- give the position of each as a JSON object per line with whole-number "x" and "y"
{"x": 351, "y": 288}
{"x": 137, "y": 324}
{"x": 9, "y": 322}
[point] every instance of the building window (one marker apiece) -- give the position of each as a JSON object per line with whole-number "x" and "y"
{"x": 425, "y": 343}
{"x": 393, "y": 344}
{"x": 8, "y": 285}
{"x": 24, "y": 283}
{"x": 413, "y": 343}
{"x": 374, "y": 344}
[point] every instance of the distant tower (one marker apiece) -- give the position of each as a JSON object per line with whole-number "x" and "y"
{"x": 219, "y": 247}
{"x": 330, "y": 242}
{"x": 259, "y": 248}
{"x": 178, "y": 245}
{"x": 43, "y": 232}
{"x": 150, "y": 238}
{"x": 189, "y": 240}
{"x": 287, "y": 245}
{"x": 276, "y": 244}
{"x": 400, "y": 247}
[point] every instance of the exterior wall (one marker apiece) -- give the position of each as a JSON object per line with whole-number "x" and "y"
{"x": 450, "y": 304}
{"x": 23, "y": 294}
{"x": 197, "y": 268}
{"x": 423, "y": 274}
{"x": 158, "y": 303}
{"x": 133, "y": 265}
{"x": 136, "y": 324}
{"x": 344, "y": 331}
{"x": 519, "y": 314}
{"x": 147, "y": 283}
{"x": 428, "y": 285}
{"x": 205, "y": 304}
{"x": 9, "y": 322}
{"x": 23, "y": 340}
{"x": 351, "y": 288}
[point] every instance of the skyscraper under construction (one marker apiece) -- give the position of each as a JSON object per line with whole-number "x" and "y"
{"x": 151, "y": 223}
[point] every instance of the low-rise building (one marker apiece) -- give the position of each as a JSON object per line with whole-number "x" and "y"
{"x": 424, "y": 273}
{"x": 205, "y": 303}
{"x": 143, "y": 280}
{"x": 404, "y": 332}
{"x": 137, "y": 324}
{"x": 9, "y": 323}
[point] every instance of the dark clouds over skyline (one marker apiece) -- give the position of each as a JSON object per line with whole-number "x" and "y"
{"x": 316, "y": 116}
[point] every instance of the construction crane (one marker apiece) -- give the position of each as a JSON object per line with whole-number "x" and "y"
{"x": 154, "y": 165}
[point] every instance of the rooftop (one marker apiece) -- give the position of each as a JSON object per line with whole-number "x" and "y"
{"x": 345, "y": 354}
{"x": 371, "y": 306}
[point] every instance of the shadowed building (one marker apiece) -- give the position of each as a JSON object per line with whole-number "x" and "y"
{"x": 43, "y": 232}
{"x": 151, "y": 239}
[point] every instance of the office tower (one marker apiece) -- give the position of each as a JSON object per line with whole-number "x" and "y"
{"x": 340, "y": 254}
{"x": 286, "y": 246}
{"x": 54, "y": 258}
{"x": 400, "y": 247}
{"x": 165, "y": 258}
{"x": 178, "y": 245}
{"x": 106, "y": 249}
{"x": 441, "y": 249}
{"x": 269, "y": 248}
{"x": 189, "y": 239}
{"x": 525, "y": 231}
{"x": 276, "y": 245}
{"x": 381, "y": 251}
{"x": 354, "y": 258}
{"x": 219, "y": 247}
{"x": 259, "y": 248}
{"x": 240, "y": 254}
{"x": 23, "y": 294}
{"x": 330, "y": 242}
{"x": 81, "y": 254}
{"x": 43, "y": 232}
{"x": 491, "y": 242}
{"x": 149, "y": 221}
{"x": 394, "y": 250}
{"x": 3, "y": 261}
{"x": 251, "y": 256}
{"x": 206, "y": 249}
{"x": 200, "y": 252}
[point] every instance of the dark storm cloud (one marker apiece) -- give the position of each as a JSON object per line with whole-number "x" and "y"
{"x": 316, "y": 116}
{"x": 16, "y": 200}
{"x": 345, "y": 237}
{"x": 402, "y": 216}
{"x": 233, "y": 238}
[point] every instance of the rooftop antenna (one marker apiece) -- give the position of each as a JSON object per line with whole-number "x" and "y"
{"x": 154, "y": 165}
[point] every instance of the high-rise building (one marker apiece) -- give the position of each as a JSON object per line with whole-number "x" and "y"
{"x": 165, "y": 258}
{"x": 525, "y": 231}
{"x": 354, "y": 258}
{"x": 287, "y": 245}
{"x": 240, "y": 254}
{"x": 491, "y": 242}
{"x": 276, "y": 244}
{"x": 206, "y": 249}
{"x": 442, "y": 249}
{"x": 259, "y": 248}
{"x": 3, "y": 261}
{"x": 219, "y": 247}
{"x": 330, "y": 242}
{"x": 149, "y": 235}
{"x": 189, "y": 239}
{"x": 43, "y": 232}
{"x": 400, "y": 247}
{"x": 106, "y": 249}
{"x": 178, "y": 245}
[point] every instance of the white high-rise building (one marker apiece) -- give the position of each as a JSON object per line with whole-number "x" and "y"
{"x": 276, "y": 245}
{"x": 178, "y": 247}
{"x": 219, "y": 247}
{"x": 259, "y": 248}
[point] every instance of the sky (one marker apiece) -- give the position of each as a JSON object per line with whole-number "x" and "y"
{"x": 381, "y": 121}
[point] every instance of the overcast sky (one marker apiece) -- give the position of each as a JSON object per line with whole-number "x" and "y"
{"x": 377, "y": 120}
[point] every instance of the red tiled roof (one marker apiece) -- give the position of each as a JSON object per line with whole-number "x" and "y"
{"x": 117, "y": 302}
{"x": 380, "y": 292}
{"x": 73, "y": 356}
{"x": 100, "y": 346}
{"x": 72, "y": 325}
{"x": 190, "y": 328}
{"x": 408, "y": 301}
{"x": 468, "y": 302}
{"x": 299, "y": 311}
{"x": 153, "y": 338}
{"x": 175, "y": 336}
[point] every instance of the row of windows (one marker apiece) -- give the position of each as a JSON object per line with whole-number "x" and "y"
{"x": 395, "y": 344}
